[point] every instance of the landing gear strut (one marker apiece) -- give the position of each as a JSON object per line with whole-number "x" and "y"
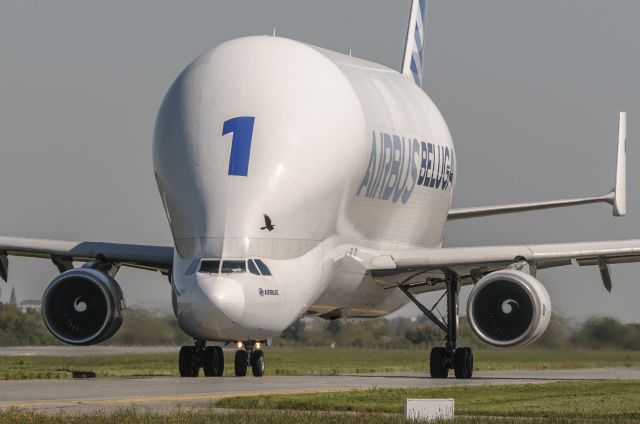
{"x": 209, "y": 358}
{"x": 442, "y": 359}
{"x": 249, "y": 357}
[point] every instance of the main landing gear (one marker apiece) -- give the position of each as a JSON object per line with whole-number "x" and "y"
{"x": 209, "y": 358}
{"x": 442, "y": 359}
{"x": 249, "y": 357}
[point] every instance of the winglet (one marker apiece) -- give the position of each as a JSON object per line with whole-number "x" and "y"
{"x": 620, "y": 190}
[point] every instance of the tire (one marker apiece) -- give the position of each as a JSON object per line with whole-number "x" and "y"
{"x": 240, "y": 363}
{"x": 257, "y": 363}
{"x": 437, "y": 363}
{"x": 209, "y": 362}
{"x": 470, "y": 362}
{"x": 463, "y": 362}
{"x": 219, "y": 361}
{"x": 187, "y": 362}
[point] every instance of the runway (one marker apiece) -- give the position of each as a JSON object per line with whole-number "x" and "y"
{"x": 168, "y": 393}
{"x": 84, "y": 350}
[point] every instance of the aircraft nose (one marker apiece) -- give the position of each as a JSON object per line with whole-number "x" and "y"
{"x": 225, "y": 294}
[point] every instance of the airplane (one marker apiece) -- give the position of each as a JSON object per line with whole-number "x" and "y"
{"x": 302, "y": 182}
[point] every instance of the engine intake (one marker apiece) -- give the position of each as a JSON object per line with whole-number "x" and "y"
{"x": 509, "y": 308}
{"x": 83, "y": 306}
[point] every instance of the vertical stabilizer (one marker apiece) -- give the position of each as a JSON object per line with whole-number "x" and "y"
{"x": 413, "y": 52}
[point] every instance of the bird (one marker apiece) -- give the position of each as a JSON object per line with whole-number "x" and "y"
{"x": 267, "y": 223}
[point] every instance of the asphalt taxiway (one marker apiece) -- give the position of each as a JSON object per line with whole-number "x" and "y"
{"x": 84, "y": 395}
{"x": 84, "y": 350}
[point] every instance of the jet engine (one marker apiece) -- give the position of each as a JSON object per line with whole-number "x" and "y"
{"x": 509, "y": 308}
{"x": 83, "y": 306}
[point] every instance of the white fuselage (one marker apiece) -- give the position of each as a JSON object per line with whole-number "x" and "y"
{"x": 345, "y": 156}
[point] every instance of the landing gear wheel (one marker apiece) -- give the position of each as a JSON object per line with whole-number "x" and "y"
{"x": 463, "y": 362}
{"x": 438, "y": 363}
{"x": 241, "y": 363}
{"x": 219, "y": 360}
{"x": 469, "y": 363}
{"x": 213, "y": 361}
{"x": 257, "y": 363}
{"x": 208, "y": 362}
{"x": 444, "y": 358}
{"x": 187, "y": 362}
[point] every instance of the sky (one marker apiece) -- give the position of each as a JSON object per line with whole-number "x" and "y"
{"x": 531, "y": 91}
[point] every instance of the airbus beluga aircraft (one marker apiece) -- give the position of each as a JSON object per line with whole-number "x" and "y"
{"x": 299, "y": 182}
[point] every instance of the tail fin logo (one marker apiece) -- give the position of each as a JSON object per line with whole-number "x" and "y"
{"x": 413, "y": 60}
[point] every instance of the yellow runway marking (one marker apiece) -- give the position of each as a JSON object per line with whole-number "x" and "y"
{"x": 159, "y": 398}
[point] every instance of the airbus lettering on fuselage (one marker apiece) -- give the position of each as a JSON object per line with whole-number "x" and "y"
{"x": 398, "y": 165}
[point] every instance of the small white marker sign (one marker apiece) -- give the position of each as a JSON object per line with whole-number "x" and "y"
{"x": 428, "y": 409}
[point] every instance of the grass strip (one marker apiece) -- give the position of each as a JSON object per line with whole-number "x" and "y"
{"x": 266, "y": 417}
{"x": 611, "y": 399}
{"x": 310, "y": 361}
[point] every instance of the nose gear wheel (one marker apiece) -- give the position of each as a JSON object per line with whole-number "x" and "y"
{"x": 241, "y": 363}
{"x": 257, "y": 363}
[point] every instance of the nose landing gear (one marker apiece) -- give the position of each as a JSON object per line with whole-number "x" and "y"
{"x": 241, "y": 362}
{"x": 247, "y": 357}
{"x": 257, "y": 363}
{"x": 209, "y": 358}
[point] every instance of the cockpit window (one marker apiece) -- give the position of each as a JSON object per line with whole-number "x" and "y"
{"x": 209, "y": 266}
{"x": 229, "y": 267}
{"x": 215, "y": 266}
{"x": 263, "y": 268}
{"x": 252, "y": 267}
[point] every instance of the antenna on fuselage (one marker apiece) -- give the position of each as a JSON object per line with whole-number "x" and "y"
{"x": 274, "y": 31}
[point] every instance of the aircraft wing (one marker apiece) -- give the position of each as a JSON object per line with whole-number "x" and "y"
{"x": 471, "y": 263}
{"x": 63, "y": 253}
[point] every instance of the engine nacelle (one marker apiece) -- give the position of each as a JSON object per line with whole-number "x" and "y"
{"x": 509, "y": 308}
{"x": 83, "y": 306}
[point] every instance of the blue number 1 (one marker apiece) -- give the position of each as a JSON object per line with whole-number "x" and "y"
{"x": 242, "y": 129}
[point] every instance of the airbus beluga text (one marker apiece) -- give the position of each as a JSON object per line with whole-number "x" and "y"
{"x": 298, "y": 182}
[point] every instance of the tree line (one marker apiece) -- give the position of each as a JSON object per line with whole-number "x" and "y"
{"x": 143, "y": 327}
{"x": 594, "y": 333}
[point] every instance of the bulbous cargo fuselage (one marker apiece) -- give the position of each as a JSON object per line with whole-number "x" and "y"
{"x": 269, "y": 148}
